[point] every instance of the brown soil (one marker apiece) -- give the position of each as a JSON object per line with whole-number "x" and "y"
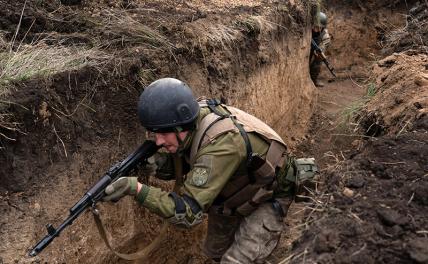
{"x": 371, "y": 203}
{"x": 74, "y": 125}
{"x": 402, "y": 79}
{"x": 371, "y": 206}
{"x": 374, "y": 206}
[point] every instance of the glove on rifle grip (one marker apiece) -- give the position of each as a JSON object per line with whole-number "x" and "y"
{"x": 121, "y": 187}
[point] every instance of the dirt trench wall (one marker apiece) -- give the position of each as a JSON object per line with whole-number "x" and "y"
{"x": 401, "y": 102}
{"x": 373, "y": 203}
{"x": 285, "y": 83}
{"x": 359, "y": 32}
{"x": 78, "y": 124}
{"x": 279, "y": 93}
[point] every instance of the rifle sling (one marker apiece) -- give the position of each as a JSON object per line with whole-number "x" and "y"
{"x": 144, "y": 253}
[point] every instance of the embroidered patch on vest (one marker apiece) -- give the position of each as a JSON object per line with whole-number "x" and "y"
{"x": 200, "y": 176}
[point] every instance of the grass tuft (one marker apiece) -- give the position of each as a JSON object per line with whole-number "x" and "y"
{"x": 41, "y": 60}
{"x": 351, "y": 115}
{"x": 38, "y": 60}
{"x": 121, "y": 27}
{"x": 222, "y": 34}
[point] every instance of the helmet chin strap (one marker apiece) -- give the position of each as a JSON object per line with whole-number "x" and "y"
{"x": 181, "y": 143}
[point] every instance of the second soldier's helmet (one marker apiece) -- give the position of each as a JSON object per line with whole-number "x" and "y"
{"x": 321, "y": 20}
{"x": 167, "y": 104}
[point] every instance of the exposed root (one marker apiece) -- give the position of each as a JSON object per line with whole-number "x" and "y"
{"x": 62, "y": 142}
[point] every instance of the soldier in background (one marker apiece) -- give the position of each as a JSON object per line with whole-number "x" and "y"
{"x": 322, "y": 39}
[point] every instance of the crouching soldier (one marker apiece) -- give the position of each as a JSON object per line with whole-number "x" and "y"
{"x": 232, "y": 162}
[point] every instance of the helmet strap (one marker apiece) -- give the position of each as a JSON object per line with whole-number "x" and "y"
{"x": 177, "y": 131}
{"x": 181, "y": 143}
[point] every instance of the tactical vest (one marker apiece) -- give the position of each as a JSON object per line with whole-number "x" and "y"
{"x": 242, "y": 193}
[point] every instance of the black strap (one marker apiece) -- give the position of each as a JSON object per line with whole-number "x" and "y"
{"x": 180, "y": 207}
{"x": 193, "y": 204}
{"x": 212, "y": 103}
{"x": 278, "y": 208}
{"x": 246, "y": 140}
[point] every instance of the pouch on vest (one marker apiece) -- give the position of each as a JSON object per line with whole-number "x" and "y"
{"x": 261, "y": 174}
{"x": 304, "y": 178}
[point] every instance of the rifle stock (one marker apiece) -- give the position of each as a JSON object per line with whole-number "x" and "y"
{"x": 96, "y": 192}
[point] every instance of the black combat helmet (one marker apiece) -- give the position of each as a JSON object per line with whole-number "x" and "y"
{"x": 167, "y": 105}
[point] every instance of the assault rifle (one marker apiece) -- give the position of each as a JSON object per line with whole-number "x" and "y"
{"x": 319, "y": 51}
{"x": 96, "y": 193}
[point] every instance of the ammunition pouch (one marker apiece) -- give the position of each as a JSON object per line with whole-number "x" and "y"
{"x": 301, "y": 176}
{"x": 258, "y": 186}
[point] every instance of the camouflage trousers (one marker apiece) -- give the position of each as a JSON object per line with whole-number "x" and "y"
{"x": 250, "y": 239}
{"x": 315, "y": 68}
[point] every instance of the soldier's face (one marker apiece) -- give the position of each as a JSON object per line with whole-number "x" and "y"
{"x": 169, "y": 140}
{"x": 316, "y": 29}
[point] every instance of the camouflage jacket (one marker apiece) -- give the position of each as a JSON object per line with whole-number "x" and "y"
{"x": 214, "y": 165}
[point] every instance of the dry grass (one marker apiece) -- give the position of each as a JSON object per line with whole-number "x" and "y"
{"x": 408, "y": 36}
{"x": 352, "y": 115}
{"x": 256, "y": 24}
{"x": 227, "y": 36}
{"x": 223, "y": 36}
{"x": 318, "y": 206}
{"x": 38, "y": 60}
{"x": 395, "y": 35}
{"x": 121, "y": 27}
{"x": 41, "y": 60}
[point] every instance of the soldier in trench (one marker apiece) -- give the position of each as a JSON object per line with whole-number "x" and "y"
{"x": 322, "y": 39}
{"x": 236, "y": 170}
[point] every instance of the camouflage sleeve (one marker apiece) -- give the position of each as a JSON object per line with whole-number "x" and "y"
{"x": 214, "y": 165}
{"x": 325, "y": 40}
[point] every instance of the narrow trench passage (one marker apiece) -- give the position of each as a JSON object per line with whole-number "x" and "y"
{"x": 325, "y": 140}
{"x": 333, "y": 104}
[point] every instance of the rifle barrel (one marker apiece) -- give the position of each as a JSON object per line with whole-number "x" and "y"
{"x": 52, "y": 232}
{"x": 91, "y": 197}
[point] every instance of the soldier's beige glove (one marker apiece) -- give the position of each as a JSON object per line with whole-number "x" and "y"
{"x": 121, "y": 187}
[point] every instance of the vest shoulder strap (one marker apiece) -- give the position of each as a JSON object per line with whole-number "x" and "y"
{"x": 208, "y": 129}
